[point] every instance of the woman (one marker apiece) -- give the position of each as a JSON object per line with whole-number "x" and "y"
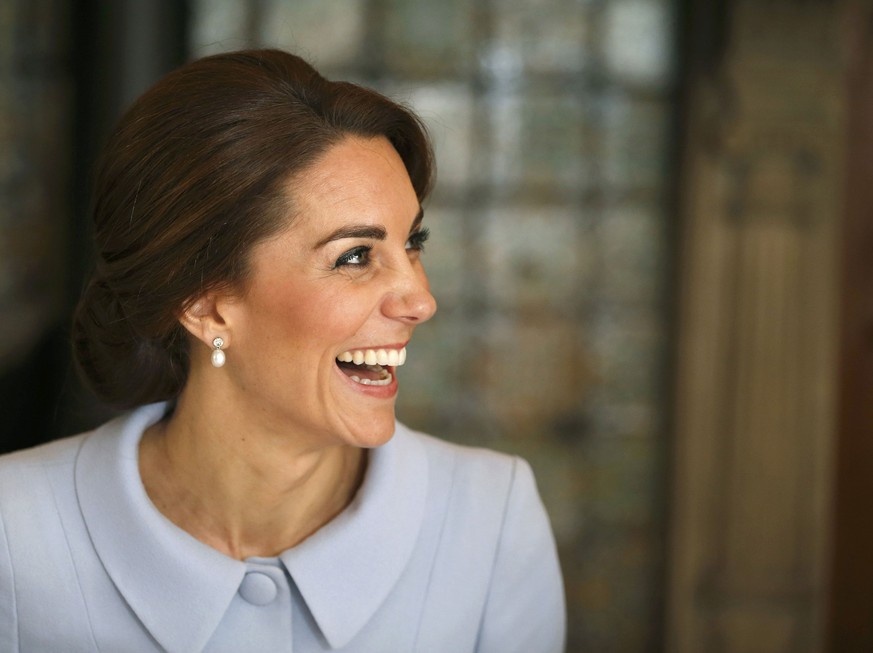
{"x": 259, "y": 233}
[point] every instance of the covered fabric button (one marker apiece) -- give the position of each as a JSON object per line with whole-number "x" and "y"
{"x": 258, "y": 588}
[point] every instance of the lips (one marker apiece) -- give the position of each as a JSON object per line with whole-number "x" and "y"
{"x": 371, "y": 366}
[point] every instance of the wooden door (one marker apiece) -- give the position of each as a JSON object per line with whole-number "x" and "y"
{"x": 850, "y": 626}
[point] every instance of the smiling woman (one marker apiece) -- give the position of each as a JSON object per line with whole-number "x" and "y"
{"x": 259, "y": 232}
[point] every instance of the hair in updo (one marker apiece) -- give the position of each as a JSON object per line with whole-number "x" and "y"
{"x": 193, "y": 177}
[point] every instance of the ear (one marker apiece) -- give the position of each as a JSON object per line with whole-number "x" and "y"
{"x": 204, "y": 319}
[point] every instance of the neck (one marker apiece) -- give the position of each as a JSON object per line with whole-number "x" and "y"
{"x": 243, "y": 491}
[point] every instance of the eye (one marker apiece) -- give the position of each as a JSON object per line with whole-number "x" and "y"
{"x": 417, "y": 240}
{"x": 359, "y": 256}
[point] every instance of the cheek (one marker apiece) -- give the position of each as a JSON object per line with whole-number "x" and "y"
{"x": 278, "y": 315}
{"x": 286, "y": 318}
{"x": 342, "y": 314}
{"x": 305, "y": 319}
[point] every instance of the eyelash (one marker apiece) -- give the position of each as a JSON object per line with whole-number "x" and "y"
{"x": 418, "y": 239}
{"x": 415, "y": 243}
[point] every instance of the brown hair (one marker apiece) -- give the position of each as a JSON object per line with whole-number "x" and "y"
{"x": 190, "y": 180}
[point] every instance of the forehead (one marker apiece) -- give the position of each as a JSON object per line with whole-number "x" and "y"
{"x": 364, "y": 175}
{"x": 356, "y": 182}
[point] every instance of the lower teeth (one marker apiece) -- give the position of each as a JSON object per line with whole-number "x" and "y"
{"x": 384, "y": 381}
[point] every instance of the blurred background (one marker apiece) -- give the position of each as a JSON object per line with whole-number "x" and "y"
{"x": 651, "y": 250}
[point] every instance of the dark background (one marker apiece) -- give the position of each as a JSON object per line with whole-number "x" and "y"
{"x": 116, "y": 50}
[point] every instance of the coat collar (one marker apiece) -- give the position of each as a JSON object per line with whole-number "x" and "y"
{"x": 346, "y": 570}
{"x": 181, "y": 588}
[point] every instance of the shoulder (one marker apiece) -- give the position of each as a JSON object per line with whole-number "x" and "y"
{"x": 45, "y": 545}
{"x": 462, "y": 461}
{"x": 27, "y": 468}
{"x": 49, "y": 462}
{"x": 477, "y": 488}
{"x": 35, "y": 482}
{"x": 57, "y": 452}
{"x": 472, "y": 473}
{"x": 50, "y": 459}
{"x": 495, "y": 538}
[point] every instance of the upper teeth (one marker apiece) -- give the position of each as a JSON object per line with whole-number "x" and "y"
{"x": 392, "y": 357}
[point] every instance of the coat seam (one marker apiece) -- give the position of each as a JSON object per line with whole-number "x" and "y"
{"x": 437, "y": 549}
{"x": 12, "y": 577}
{"x": 75, "y": 568}
{"x": 498, "y": 549}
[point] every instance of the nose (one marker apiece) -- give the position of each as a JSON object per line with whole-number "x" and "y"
{"x": 409, "y": 300}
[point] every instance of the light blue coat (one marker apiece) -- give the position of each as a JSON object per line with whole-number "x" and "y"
{"x": 445, "y": 549}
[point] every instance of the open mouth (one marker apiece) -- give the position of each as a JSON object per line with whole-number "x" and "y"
{"x": 371, "y": 366}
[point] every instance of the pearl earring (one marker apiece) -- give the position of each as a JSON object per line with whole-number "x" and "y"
{"x": 218, "y": 356}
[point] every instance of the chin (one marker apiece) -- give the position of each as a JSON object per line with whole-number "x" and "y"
{"x": 375, "y": 434}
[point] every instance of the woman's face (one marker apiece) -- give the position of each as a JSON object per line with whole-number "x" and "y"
{"x": 345, "y": 281}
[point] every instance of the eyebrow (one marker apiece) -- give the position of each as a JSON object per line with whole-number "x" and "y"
{"x": 372, "y": 232}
